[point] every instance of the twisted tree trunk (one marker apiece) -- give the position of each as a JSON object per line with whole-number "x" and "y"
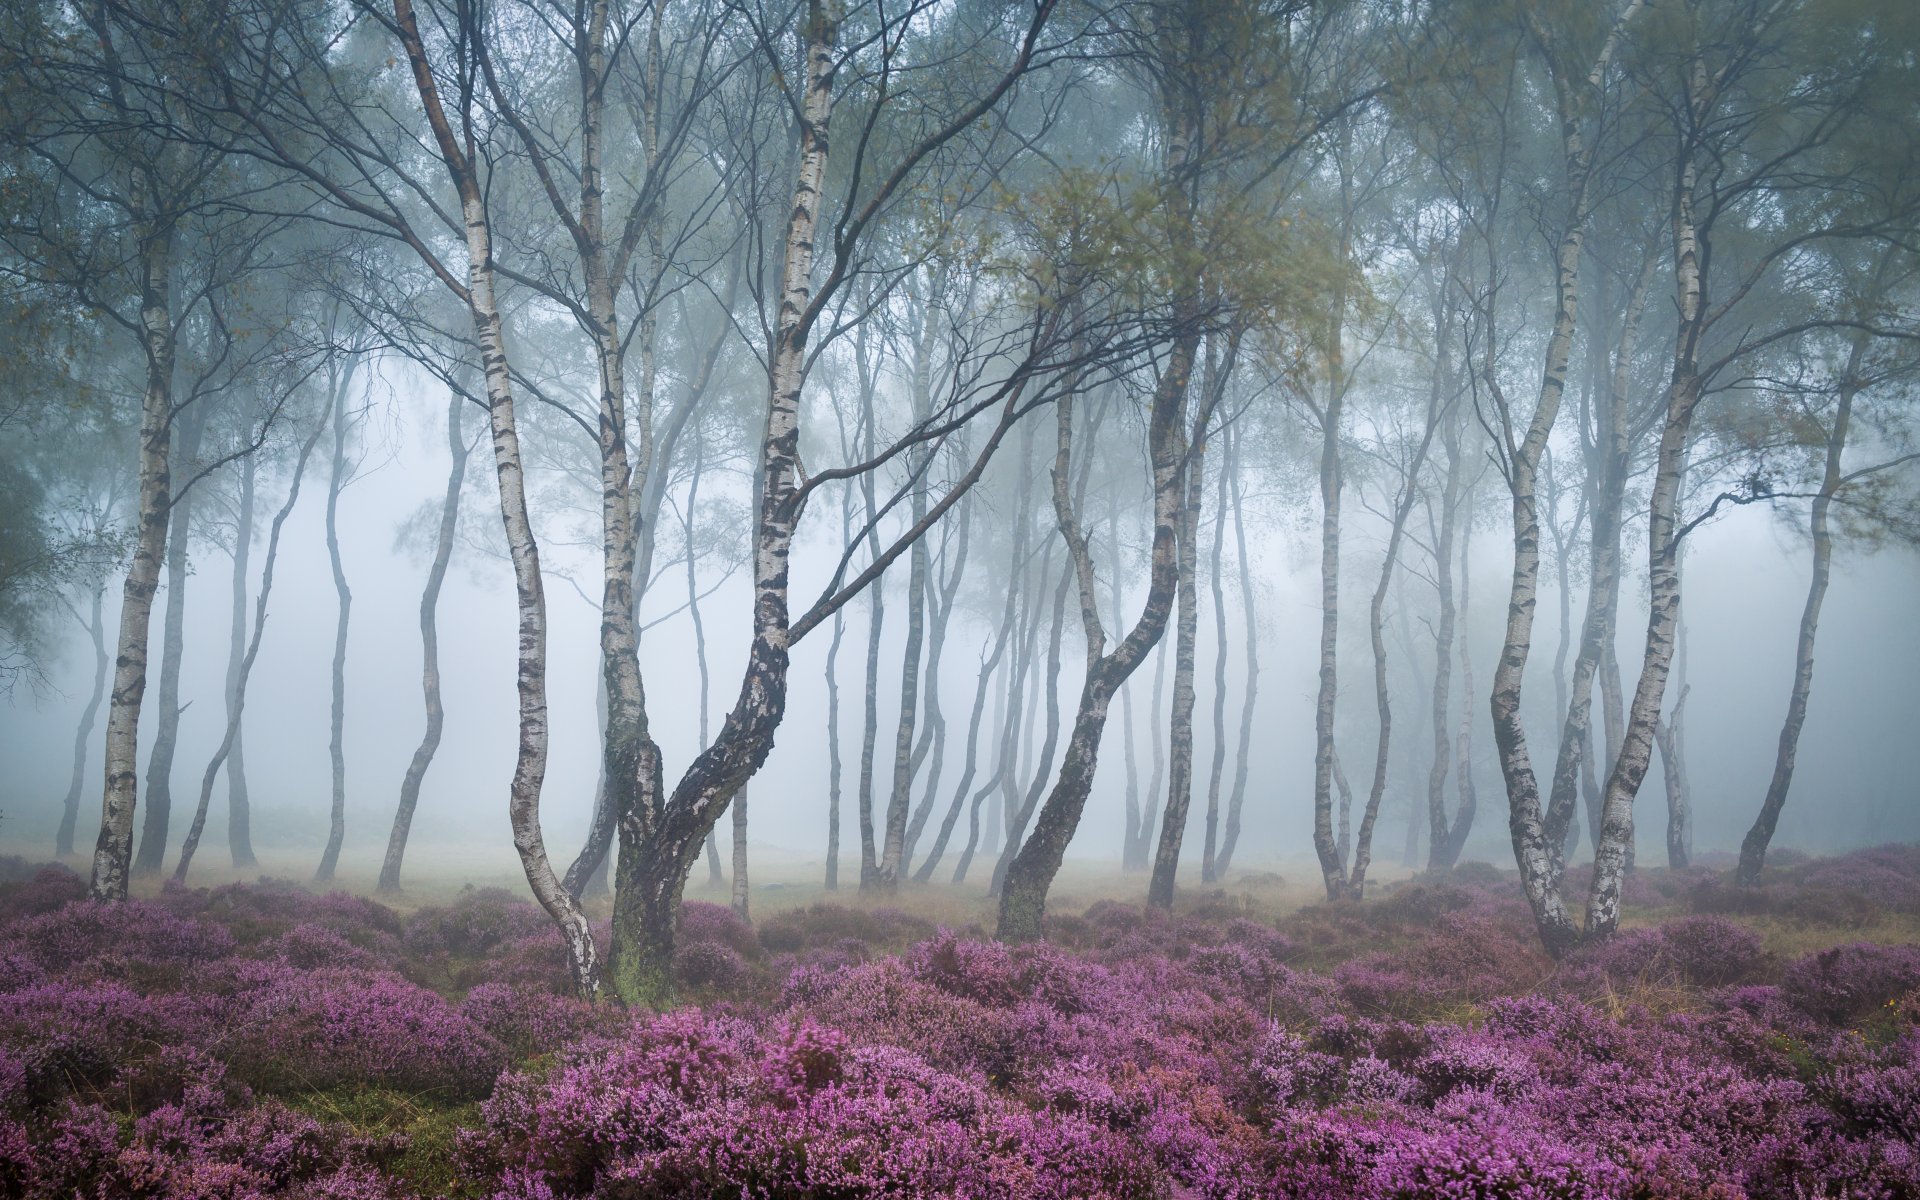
{"x": 336, "y": 743}
{"x": 429, "y": 651}
{"x": 243, "y": 670}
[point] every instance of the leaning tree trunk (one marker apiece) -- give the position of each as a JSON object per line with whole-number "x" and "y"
{"x": 113, "y": 852}
{"x": 429, "y": 651}
{"x": 530, "y": 759}
{"x": 984, "y": 682}
{"x": 1042, "y": 763}
{"x": 1030, "y": 876}
{"x": 337, "y": 742}
{"x": 1250, "y": 614}
{"x": 1753, "y": 848}
{"x": 166, "y": 731}
{"x": 70, "y": 809}
{"x": 239, "y": 805}
{"x": 243, "y": 670}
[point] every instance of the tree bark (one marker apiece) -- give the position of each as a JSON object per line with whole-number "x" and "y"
{"x": 70, "y": 808}
{"x": 336, "y": 744}
{"x": 1173, "y": 813}
{"x": 1674, "y": 771}
{"x": 1753, "y": 847}
{"x": 530, "y": 760}
{"x": 113, "y": 851}
{"x": 242, "y": 671}
{"x": 239, "y": 805}
{"x": 1684, "y": 390}
{"x": 1217, "y": 768}
{"x": 166, "y": 732}
{"x": 1030, "y": 875}
{"x": 429, "y": 651}
{"x": 933, "y": 735}
{"x": 741, "y": 898}
{"x": 1250, "y": 612}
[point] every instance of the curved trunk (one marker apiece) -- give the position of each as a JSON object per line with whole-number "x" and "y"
{"x": 243, "y": 671}
{"x": 429, "y": 652}
{"x": 530, "y": 759}
{"x": 934, "y": 735}
{"x": 1030, "y": 876}
{"x": 336, "y": 743}
{"x": 1438, "y": 833}
{"x": 1753, "y": 847}
{"x": 1042, "y": 764}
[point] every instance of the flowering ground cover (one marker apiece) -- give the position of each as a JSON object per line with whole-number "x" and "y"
{"x": 261, "y": 1040}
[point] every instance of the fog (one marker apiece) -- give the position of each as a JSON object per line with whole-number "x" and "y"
{"x": 1858, "y": 780}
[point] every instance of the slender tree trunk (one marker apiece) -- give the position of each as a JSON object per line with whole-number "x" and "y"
{"x": 1141, "y": 836}
{"x": 1042, "y": 764}
{"x": 243, "y": 671}
{"x": 933, "y": 736}
{"x": 239, "y": 806}
{"x": 166, "y": 731}
{"x": 530, "y": 759}
{"x": 1209, "y": 854}
{"x": 1249, "y": 607}
{"x": 337, "y": 743}
{"x": 988, "y": 665}
{"x": 1612, "y": 852}
{"x": 1438, "y": 833}
{"x": 1753, "y": 848}
{"x": 1173, "y": 814}
{"x": 70, "y": 809}
{"x": 1030, "y": 876}
{"x": 1469, "y": 801}
{"x": 429, "y": 651}
{"x": 113, "y": 851}
{"x": 1674, "y": 770}
{"x": 1332, "y": 854}
{"x": 833, "y": 755}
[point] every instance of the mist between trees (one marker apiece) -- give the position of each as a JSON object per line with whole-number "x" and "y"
{"x": 1179, "y": 435}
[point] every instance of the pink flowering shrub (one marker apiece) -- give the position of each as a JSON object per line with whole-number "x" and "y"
{"x": 246, "y": 1041}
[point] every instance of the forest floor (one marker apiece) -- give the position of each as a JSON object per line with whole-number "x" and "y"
{"x": 243, "y": 1039}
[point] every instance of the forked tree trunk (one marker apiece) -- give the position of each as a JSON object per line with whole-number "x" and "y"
{"x": 933, "y": 736}
{"x": 429, "y": 651}
{"x": 1030, "y": 875}
{"x": 243, "y": 670}
{"x": 70, "y": 808}
{"x": 988, "y": 665}
{"x": 1041, "y": 765}
{"x": 113, "y": 851}
{"x": 337, "y": 742}
{"x": 166, "y": 726}
{"x": 1612, "y": 853}
{"x": 239, "y": 805}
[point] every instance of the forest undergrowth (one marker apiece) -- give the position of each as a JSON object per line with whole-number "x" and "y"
{"x": 260, "y": 1039}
